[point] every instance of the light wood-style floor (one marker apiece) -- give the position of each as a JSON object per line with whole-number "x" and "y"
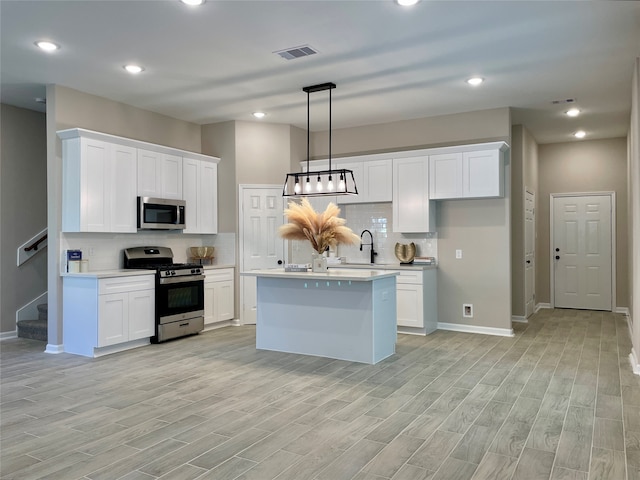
{"x": 557, "y": 401}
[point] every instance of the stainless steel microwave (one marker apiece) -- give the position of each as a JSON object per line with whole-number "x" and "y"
{"x": 160, "y": 214}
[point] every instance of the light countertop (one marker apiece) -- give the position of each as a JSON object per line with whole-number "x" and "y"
{"x": 386, "y": 266}
{"x": 123, "y": 272}
{"x": 357, "y": 275}
{"x": 129, "y": 272}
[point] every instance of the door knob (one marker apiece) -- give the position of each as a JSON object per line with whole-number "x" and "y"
{"x": 279, "y": 262}
{"x": 557, "y": 249}
{"x": 557, "y": 257}
{"x": 528, "y": 261}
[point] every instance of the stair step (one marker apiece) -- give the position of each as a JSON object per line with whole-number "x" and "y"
{"x": 43, "y": 312}
{"x": 33, "y": 329}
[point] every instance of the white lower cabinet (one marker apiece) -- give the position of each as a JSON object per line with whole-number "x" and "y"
{"x": 218, "y": 295}
{"x": 115, "y": 312}
{"x": 416, "y": 299}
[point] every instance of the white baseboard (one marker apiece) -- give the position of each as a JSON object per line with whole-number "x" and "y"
{"x": 540, "y": 306}
{"x": 519, "y": 319}
{"x": 8, "y": 335}
{"x": 622, "y": 310}
{"x": 54, "y": 348}
{"x": 635, "y": 362}
{"x": 456, "y": 327}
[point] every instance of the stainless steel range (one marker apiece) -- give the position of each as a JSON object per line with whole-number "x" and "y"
{"x": 179, "y": 291}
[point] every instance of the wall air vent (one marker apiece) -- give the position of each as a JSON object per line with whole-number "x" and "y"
{"x": 296, "y": 52}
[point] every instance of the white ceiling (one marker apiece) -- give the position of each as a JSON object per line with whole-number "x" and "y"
{"x": 216, "y": 63}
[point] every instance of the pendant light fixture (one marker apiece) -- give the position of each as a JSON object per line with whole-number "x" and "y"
{"x": 322, "y": 182}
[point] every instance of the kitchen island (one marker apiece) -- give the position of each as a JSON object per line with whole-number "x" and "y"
{"x": 343, "y": 314}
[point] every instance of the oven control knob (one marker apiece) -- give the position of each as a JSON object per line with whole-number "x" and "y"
{"x": 172, "y": 272}
{"x": 194, "y": 270}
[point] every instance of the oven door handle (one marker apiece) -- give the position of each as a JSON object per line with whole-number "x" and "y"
{"x": 181, "y": 279}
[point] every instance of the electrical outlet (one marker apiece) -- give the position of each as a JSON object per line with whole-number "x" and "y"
{"x": 467, "y": 310}
{"x": 458, "y": 254}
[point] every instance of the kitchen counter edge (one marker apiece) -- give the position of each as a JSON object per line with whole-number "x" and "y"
{"x": 374, "y": 266}
{"x": 358, "y": 275}
{"x": 129, "y": 272}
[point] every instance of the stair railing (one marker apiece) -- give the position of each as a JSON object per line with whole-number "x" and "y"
{"x": 30, "y": 248}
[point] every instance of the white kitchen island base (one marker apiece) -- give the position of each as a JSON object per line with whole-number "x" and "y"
{"x": 342, "y": 315}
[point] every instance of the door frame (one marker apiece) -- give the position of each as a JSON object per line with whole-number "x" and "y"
{"x": 241, "y": 189}
{"x": 531, "y": 191}
{"x": 612, "y": 196}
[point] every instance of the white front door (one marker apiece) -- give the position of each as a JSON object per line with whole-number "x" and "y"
{"x": 529, "y": 252}
{"x": 261, "y": 213}
{"x": 582, "y": 252}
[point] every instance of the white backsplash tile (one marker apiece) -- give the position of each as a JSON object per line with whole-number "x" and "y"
{"x": 105, "y": 250}
{"x": 376, "y": 217}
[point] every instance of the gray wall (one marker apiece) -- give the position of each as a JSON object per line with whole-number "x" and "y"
{"x": 23, "y": 208}
{"x": 219, "y": 140}
{"x": 582, "y": 166}
{"x": 481, "y": 228}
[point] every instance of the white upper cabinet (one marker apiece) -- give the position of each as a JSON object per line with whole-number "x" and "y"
{"x": 413, "y": 212}
{"x": 200, "y": 191}
{"x": 103, "y": 174}
{"x": 482, "y": 174}
{"x": 474, "y": 171}
{"x": 373, "y": 180}
{"x": 159, "y": 175}
{"x": 99, "y": 186}
{"x": 445, "y": 176}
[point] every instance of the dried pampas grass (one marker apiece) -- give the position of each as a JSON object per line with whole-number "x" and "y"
{"x": 323, "y": 230}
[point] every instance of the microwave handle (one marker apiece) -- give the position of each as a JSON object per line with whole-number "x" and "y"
{"x": 181, "y": 219}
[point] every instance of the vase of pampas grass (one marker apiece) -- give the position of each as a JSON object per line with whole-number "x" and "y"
{"x": 323, "y": 230}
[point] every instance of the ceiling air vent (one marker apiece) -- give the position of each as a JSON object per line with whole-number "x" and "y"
{"x": 562, "y": 102}
{"x": 296, "y": 52}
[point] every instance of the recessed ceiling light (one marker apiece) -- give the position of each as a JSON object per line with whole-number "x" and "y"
{"x": 580, "y": 134}
{"x": 406, "y": 3}
{"x": 573, "y": 112}
{"x": 133, "y": 68}
{"x": 193, "y": 3}
{"x": 475, "y": 81}
{"x": 259, "y": 114}
{"x": 47, "y": 46}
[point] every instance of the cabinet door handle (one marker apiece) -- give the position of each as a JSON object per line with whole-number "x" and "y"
{"x": 528, "y": 261}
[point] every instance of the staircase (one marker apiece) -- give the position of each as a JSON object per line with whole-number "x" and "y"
{"x": 35, "y": 329}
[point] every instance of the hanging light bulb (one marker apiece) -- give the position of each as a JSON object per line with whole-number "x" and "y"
{"x": 307, "y": 187}
{"x": 330, "y": 184}
{"x": 319, "y": 185}
{"x": 296, "y": 188}
{"x": 341, "y": 185}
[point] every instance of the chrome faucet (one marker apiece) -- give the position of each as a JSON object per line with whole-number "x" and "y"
{"x": 373, "y": 252}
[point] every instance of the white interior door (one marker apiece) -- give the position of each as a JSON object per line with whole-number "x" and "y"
{"x": 582, "y": 252}
{"x": 529, "y": 252}
{"x": 261, "y": 213}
